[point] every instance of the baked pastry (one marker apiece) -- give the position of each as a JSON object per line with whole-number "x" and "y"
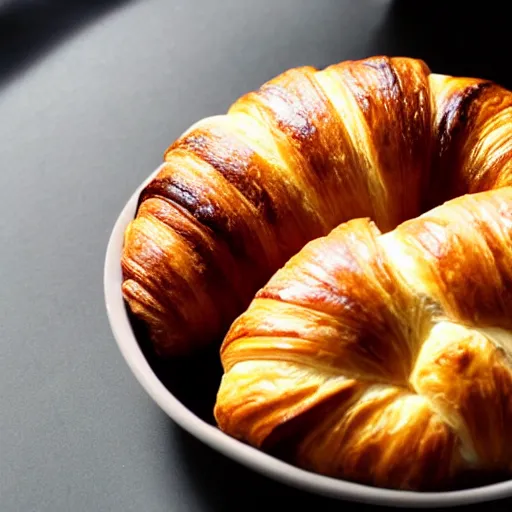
{"x": 384, "y": 358}
{"x": 239, "y": 194}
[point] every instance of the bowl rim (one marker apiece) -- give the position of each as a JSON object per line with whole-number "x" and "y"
{"x": 232, "y": 448}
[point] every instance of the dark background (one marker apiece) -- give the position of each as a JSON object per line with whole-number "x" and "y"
{"x": 91, "y": 93}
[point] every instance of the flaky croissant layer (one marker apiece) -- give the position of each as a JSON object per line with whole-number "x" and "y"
{"x": 383, "y": 358}
{"x": 239, "y": 194}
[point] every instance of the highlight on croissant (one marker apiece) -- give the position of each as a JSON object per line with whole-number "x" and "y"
{"x": 344, "y": 236}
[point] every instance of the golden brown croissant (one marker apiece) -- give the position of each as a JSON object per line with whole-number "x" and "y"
{"x": 383, "y": 358}
{"x": 239, "y": 194}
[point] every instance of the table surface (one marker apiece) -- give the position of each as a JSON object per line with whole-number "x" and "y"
{"x": 91, "y": 93}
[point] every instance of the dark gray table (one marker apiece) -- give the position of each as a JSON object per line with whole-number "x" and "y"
{"x": 91, "y": 93}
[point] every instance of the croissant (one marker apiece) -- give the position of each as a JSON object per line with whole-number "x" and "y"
{"x": 239, "y": 194}
{"x": 383, "y": 358}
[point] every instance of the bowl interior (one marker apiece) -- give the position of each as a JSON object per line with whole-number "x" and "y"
{"x": 180, "y": 376}
{"x": 189, "y": 400}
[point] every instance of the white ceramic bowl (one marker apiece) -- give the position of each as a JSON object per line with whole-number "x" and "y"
{"x": 145, "y": 372}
